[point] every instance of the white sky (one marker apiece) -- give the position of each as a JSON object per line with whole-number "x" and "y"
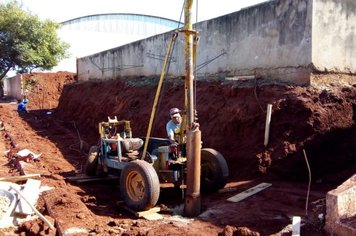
{"x": 62, "y": 10}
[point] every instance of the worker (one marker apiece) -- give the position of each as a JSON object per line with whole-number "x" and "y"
{"x": 25, "y": 99}
{"x": 21, "y": 108}
{"x": 173, "y": 126}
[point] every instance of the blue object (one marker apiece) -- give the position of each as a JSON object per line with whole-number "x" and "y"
{"x": 22, "y": 107}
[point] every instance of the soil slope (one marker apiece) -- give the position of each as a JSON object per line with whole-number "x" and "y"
{"x": 231, "y": 116}
{"x": 232, "y": 119}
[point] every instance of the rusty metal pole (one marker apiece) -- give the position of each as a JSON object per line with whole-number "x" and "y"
{"x": 192, "y": 203}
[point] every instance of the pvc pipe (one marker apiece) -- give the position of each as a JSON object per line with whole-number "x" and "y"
{"x": 268, "y": 123}
{"x": 296, "y": 222}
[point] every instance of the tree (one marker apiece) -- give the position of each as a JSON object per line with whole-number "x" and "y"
{"x": 26, "y": 42}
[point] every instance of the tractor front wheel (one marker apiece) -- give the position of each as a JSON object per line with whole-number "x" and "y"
{"x": 91, "y": 163}
{"x": 139, "y": 185}
{"x": 214, "y": 170}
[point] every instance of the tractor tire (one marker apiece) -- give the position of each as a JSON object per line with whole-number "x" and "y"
{"x": 91, "y": 164}
{"x": 214, "y": 170}
{"x": 139, "y": 185}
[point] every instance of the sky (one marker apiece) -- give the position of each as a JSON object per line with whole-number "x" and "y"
{"x": 62, "y": 10}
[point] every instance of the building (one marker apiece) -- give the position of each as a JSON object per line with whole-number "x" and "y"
{"x": 94, "y": 33}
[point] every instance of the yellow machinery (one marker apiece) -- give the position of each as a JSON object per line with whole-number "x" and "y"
{"x": 143, "y": 166}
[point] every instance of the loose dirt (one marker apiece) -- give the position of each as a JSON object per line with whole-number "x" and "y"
{"x": 62, "y": 124}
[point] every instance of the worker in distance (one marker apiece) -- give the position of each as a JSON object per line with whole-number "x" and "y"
{"x": 22, "y": 106}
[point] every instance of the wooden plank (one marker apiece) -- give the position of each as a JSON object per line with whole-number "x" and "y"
{"x": 31, "y": 191}
{"x": 227, "y": 190}
{"x": 145, "y": 214}
{"x": 94, "y": 180}
{"x": 20, "y": 178}
{"x": 153, "y": 216}
{"x": 241, "y": 196}
{"x": 150, "y": 211}
{"x": 296, "y": 226}
{"x": 85, "y": 178}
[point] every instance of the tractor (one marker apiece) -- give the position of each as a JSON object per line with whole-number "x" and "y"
{"x": 119, "y": 153}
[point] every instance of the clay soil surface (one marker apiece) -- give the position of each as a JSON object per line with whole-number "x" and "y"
{"x": 62, "y": 125}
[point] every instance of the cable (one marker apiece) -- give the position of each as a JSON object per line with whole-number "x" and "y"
{"x": 255, "y": 92}
{"x": 196, "y": 12}
{"x": 180, "y": 17}
{"x": 170, "y": 56}
{"x": 209, "y": 61}
{"x": 195, "y": 60}
{"x": 309, "y": 171}
{"x": 80, "y": 139}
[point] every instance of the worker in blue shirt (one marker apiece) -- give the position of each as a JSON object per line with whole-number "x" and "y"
{"x": 21, "y": 108}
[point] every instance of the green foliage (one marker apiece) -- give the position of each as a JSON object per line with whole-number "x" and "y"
{"x": 26, "y": 42}
{"x": 29, "y": 83}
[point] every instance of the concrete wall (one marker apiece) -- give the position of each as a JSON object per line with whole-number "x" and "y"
{"x": 13, "y": 87}
{"x": 273, "y": 39}
{"x": 334, "y": 35}
{"x": 141, "y": 58}
{"x": 341, "y": 205}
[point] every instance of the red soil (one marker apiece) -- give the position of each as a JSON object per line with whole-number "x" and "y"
{"x": 232, "y": 119}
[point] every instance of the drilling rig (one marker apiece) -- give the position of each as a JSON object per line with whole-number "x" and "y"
{"x": 144, "y": 165}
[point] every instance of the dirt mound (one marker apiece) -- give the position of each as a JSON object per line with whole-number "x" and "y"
{"x": 44, "y": 89}
{"x": 232, "y": 117}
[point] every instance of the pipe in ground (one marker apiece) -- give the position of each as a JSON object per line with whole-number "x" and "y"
{"x": 268, "y": 123}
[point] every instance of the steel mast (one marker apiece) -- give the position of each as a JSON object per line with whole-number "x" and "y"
{"x": 192, "y": 203}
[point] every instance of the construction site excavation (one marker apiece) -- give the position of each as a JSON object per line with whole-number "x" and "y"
{"x": 265, "y": 145}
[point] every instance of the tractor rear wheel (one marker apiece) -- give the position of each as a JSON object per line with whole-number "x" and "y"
{"x": 214, "y": 170}
{"x": 91, "y": 163}
{"x": 139, "y": 185}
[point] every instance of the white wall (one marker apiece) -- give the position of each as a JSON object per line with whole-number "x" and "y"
{"x": 13, "y": 87}
{"x": 334, "y": 35}
{"x": 273, "y": 39}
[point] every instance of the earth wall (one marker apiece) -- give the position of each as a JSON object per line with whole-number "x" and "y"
{"x": 231, "y": 116}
